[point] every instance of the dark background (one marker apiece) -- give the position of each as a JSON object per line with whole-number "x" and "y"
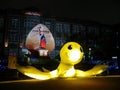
{"x": 103, "y": 11}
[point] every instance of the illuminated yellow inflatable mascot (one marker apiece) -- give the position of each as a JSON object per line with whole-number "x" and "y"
{"x": 71, "y": 53}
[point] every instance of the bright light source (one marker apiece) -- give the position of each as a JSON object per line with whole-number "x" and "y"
{"x": 6, "y": 44}
{"x": 114, "y": 57}
{"x": 43, "y": 52}
{"x": 89, "y": 49}
{"x": 32, "y": 13}
{"x": 74, "y": 55}
{"x": 21, "y": 45}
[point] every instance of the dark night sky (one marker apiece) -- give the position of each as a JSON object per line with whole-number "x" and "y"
{"x": 103, "y": 11}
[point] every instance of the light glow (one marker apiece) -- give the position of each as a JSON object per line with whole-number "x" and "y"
{"x": 43, "y": 52}
{"x": 21, "y": 45}
{"x": 74, "y": 55}
{"x": 70, "y": 73}
{"x": 6, "y": 43}
{"x": 54, "y": 73}
{"x": 32, "y": 13}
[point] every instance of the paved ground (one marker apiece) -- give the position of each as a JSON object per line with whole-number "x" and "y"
{"x": 86, "y": 83}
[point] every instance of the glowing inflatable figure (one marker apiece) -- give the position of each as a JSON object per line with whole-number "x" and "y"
{"x": 71, "y": 53}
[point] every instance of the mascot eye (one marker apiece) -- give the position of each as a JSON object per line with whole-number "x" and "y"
{"x": 81, "y": 49}
{"x": 69, "y": 47}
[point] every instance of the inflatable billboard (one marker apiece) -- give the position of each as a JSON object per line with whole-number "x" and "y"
{"x": 40, "y": 38}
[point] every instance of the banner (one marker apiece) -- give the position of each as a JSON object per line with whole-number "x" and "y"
{"x": 39, "y": 38}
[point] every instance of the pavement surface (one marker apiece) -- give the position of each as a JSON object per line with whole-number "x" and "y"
{"x": 82, "y": 83}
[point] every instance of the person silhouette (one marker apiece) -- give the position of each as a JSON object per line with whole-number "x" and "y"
{"x": 42, "y": 41}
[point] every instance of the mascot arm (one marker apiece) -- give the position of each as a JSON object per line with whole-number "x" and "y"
{"x": 98, "y": 69}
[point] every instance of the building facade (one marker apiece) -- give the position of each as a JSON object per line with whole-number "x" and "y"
{"x": 98, "y": 40}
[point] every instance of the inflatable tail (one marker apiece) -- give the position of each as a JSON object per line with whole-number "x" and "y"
{"x": 34, "y": 72}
